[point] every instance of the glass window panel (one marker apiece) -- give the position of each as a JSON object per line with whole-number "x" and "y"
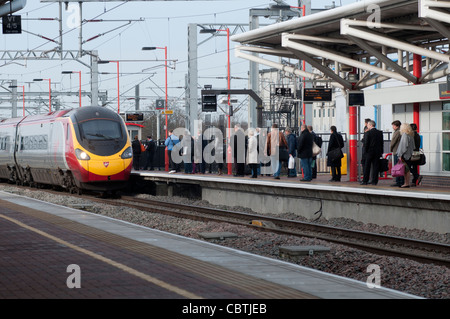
{"x": 446, "y": 106}
{"x": 101, "y": 129}
{"x": 446, "y": 121}
{"x": 446, "y": 161}
{"x": 446, "y": 141}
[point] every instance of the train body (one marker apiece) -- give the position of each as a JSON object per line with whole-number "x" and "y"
{"x": 84, "y": 148}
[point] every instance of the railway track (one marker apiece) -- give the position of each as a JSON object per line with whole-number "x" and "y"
{"x": 419, "y": 250}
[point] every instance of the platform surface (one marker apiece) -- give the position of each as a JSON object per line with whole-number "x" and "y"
{"x": 122, "y": 260}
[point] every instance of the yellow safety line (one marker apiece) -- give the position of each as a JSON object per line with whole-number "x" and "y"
{"x": 123, "y": 267}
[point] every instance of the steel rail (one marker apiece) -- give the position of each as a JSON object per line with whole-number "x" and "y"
{"x": 415, "y": 249}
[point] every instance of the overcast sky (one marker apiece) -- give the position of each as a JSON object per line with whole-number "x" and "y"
{"x": 127, "y": 27}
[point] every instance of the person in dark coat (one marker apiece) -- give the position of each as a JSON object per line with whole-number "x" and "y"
{"x": 304, "y": 150}
{"x": 200, "y": 144}
{"x": 136, "y": 146}
{"x": 150, "y": 148}
{"x": 318, "y": 140}
{"x": 373, "y": 148}
{"x": 417, "y": 179}
{"x": 239, "y": 150}
{"x": 187, "y": 152}
{"x": 336, "y": 142}
{"x": 395, "y": 141}
{"x": 292, "y": 149}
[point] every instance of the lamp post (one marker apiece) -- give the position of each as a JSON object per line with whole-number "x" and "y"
{"x": 23, "y": 95}
{"x": 166, "y": 157}
{"x": 118, "y": 93}
{"x": 49, "y": 91}
{"x": 230, "y": 164}
{"x": 79, "y": 73}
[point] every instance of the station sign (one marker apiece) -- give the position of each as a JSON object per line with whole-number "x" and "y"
{"x": 317, "y": 95}
{"x": 283, "y": 92}
{"x": 167, "y": 112}
{"x": 160, "y": 104}
{"x": 12, "y": 24}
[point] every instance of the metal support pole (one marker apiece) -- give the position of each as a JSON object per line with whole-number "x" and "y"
{"x": 118, "y": 87}
{"x": 253, "y": 74}
{"x": 80, "y": 35}
{"x": 14, "y": 98}
{"x": 50, "y": 95}
{"x": 136, "y": 98}
{"x": 192, "y": 77}
{"x": 80, "y": 86}
{"x": 94, "y": 78}
{"x": 166, "y": 151}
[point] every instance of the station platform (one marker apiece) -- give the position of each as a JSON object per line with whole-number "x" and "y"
{"x": 54, "y": 252}
{"x": 423, "y": 208}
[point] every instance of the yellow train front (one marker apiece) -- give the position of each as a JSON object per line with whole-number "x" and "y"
{"x": 98, "y": 150}
{"x": 84, "y": 148}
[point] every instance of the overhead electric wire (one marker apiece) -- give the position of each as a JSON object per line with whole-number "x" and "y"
{"x": 145, "y": 19}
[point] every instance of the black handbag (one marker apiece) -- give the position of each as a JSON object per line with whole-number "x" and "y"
{"x": 384, "y": 165}
{"x": 422, "y": 160}
{"x": 335, "y": 154}
{"x": 283, "y": 154}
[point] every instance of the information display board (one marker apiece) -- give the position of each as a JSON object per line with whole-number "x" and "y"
{"x": 317, "y": 95}
{"x": 134, "y": 117}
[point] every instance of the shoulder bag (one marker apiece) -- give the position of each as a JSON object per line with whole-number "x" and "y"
{"x": 335, "y": 154}
{"x": 283, "y": 154}
{"x": 316, "y": 149}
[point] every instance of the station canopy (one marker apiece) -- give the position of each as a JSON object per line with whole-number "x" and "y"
{"x": 356, "y": 46}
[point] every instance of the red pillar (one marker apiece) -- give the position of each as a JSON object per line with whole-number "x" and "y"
{"x": 417, "y": 72}
{"x": 353, "y": 143}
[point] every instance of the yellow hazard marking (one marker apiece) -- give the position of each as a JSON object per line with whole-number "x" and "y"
{"x": 111, "y": 262}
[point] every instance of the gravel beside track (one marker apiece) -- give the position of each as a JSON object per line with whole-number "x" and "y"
{"x": 424, "y": 280}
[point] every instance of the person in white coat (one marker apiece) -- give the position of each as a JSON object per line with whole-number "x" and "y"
{"x": 252, "y": 152}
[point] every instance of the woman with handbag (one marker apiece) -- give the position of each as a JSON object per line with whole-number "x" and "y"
{"x": 276, "y": 143}
{"x": 405, "y": 150}
{"x": 334, "y": 154}
{"x": 252, "y": 152}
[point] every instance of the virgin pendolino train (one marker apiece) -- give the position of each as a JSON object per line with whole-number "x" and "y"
{"x": 87, "y": 148}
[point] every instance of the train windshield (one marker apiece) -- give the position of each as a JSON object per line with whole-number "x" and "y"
{"x": 101, "y": 130}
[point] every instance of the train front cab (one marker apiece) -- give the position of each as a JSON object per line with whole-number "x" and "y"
{"x": 100, "y": 155}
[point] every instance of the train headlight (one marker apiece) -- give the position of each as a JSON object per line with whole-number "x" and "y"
{"x": 82, "y": 155}
{"x": 128, "y": 153}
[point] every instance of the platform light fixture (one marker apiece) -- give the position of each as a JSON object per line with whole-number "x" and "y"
{"x": 166, "y": 161}
{"x": 227, "y": 30}
{"x": 118, "y": 93}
